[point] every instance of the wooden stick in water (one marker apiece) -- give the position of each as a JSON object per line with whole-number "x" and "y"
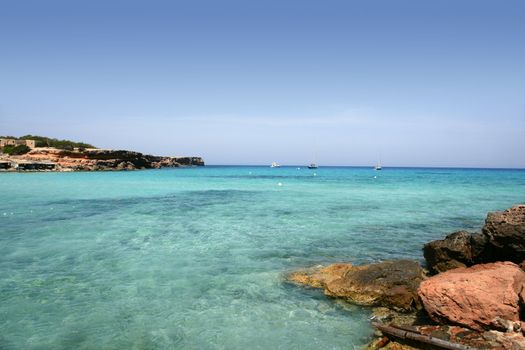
{"x": 426, "y": 339}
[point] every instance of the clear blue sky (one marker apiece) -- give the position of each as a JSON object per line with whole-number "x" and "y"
{"x": 415, "y": 83}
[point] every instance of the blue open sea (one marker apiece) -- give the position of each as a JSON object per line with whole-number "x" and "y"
{"x": 195, "y": 258}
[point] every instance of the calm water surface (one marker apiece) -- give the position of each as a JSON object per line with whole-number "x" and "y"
{"x": 195, "y": 258}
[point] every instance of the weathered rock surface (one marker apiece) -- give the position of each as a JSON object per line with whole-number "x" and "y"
{"x": 391, "y": 283}
{"x": 482, "y": 297}
{"x": 505, "y": 232}
{"x": 387, "y": 316}
{"x": 92, "y": 159}
{"x": 502, "y": 239}
{"x": 452, "y": 252}
{"x": 493, "y": 340}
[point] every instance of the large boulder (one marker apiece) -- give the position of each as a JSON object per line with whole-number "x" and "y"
{"x": 482, "y": 297}
{"x": 505, "y": 232}
{"x": 391, "y": 283}
{"x": 452, "y": 252}
{"x": 502, "y": 239}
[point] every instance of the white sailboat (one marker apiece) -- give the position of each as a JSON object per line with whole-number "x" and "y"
{"x": 313, "y": 165}
{"x": 274, "y": 165}
{"x": 378, "y": 164}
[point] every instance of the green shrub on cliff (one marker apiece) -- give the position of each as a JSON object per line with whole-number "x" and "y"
{"x": 16, "y": 150}
{"x": 42, "y": 141}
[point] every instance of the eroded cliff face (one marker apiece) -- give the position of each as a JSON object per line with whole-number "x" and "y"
{"x": 92, "y": 159}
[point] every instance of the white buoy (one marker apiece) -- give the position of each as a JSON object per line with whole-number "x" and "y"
{"x": 315, "y": 174}
{"x": 279, "y": 184}
{"x": 375, "y": 177}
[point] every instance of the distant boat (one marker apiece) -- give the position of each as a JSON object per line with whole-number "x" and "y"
{"x": 274, "y": 165}
{"x": 378, "y": 167}
{"x": 313, "y": 164}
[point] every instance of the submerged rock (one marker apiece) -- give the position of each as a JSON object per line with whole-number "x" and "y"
{"x": 502, "y": 239}
{"x": 391, "y": 284}
{"x": 482, "y": 297}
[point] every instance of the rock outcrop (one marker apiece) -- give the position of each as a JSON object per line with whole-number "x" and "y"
{"x": 477, "y": 298}
{"x": 505, "y": 234}
{"x": 501, "y": 239}
{"x": 93, "y": 159}
{"x": 452, "y": 252}
{"x": 482, "y": 297}
{"x": 391, "y": 284}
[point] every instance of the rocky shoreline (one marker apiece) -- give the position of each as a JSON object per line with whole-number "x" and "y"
{"x": 471, "y": 297}
{"x": 90, "y": 159}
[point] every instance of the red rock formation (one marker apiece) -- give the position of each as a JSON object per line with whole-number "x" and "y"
{"x": 485, "y": 296}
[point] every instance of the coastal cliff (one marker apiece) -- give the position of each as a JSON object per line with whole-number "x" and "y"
{"x": 90, "y": 159}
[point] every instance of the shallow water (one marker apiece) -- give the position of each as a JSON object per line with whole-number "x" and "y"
{"x": 195, "y": 258}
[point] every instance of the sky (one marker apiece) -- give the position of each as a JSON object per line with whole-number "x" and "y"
{"x": 407, "y": 83}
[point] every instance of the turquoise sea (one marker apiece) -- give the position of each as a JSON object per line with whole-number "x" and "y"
{"x": 195, "y": 258}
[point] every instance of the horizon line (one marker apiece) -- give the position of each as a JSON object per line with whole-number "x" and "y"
{"x": 369, "y": 166}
